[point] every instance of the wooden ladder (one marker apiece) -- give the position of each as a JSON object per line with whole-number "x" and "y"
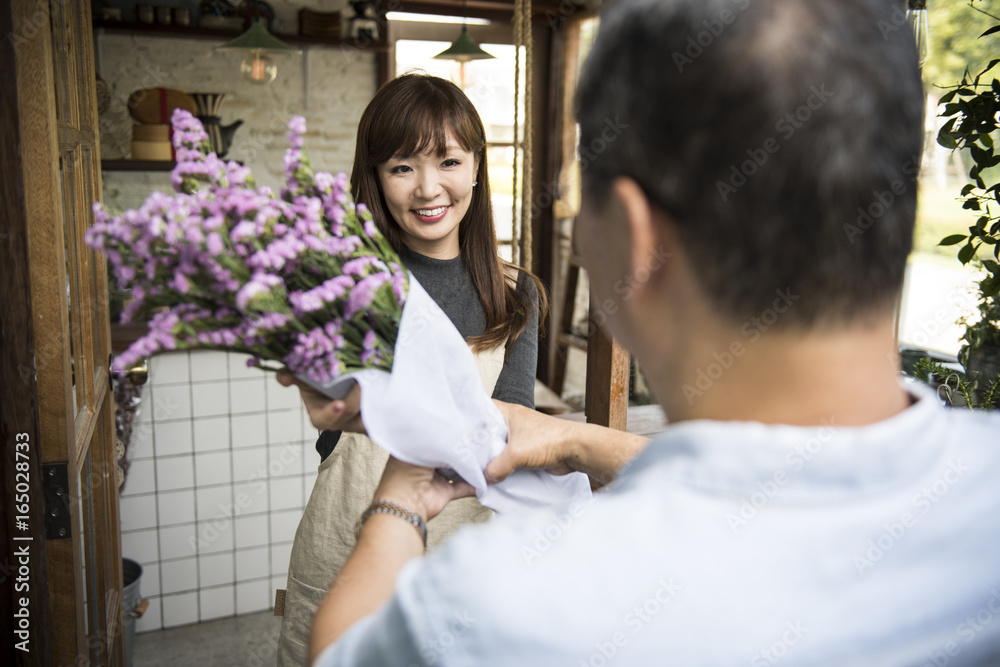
{"x": 606, "y": 400}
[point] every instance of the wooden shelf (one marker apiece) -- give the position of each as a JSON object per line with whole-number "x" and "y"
{"x": 221, "y": 34}
{"x": 137, "y": 165}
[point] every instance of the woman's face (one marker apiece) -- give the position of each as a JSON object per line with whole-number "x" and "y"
{"x": 428, "y": 196}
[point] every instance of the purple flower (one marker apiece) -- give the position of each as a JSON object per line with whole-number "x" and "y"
{"x": 249, "y": 295}
{"x": 357, "y": 267}
{"x": 315, "y": 355}
{"x": 314, "y": 299}
{"x": 398, "y": 283}
{"x": 296, "y": 128}
{"x": 364, "y": 293}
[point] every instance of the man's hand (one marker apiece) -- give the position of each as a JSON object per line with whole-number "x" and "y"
{"x": 326, "y": 414}
{"x": 534, "y": 441}
{"x": 541, "y": 442}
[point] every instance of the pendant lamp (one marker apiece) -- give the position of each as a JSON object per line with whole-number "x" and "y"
{"x": 464, "y": 48}
{"x": 258, "y": 67}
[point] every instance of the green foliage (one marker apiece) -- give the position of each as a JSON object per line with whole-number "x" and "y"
{"x": 972, "y": 108}
{"x": 957, "y": 388}
{"x": 955, "y": 27}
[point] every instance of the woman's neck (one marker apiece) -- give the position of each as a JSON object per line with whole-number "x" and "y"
{"x": 434, "y": 250}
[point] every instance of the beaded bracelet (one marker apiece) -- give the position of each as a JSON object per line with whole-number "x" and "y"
{"x": 387, "y": 507}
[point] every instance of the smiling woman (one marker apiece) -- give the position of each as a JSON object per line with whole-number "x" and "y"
{"x": 428, "y": 195}
{"x": 420, "y": 167}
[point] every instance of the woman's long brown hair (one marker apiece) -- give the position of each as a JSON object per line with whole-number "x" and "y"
{"x": 412, "y": 114}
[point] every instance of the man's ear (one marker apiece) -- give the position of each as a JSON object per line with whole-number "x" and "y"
{"x": 646, "y": 237}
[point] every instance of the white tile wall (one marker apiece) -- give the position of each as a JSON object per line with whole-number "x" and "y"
{"x": 249, "y": 464}
{"x": 247, "y": 396}
{"x": 217, "y": 602}
{"x": 140, "y": 512}
{"x": 177, "y": 541}
{"x": 172, "y": 401}
{"x": 153, "y": 618}
{"x": 210, "y": 430}
{"x": 176, "y": 507}
{"x": 216, "y": 570}
{"x": 170, "y": 368}
{"x": 180, "y": 609}
{"x": 150, "y": 584}
{"x": 174, "y": 472}
{"x": 213, "y": 468}
{"x": 253, "y": 563}
{"x": 251, "y": 531}
{"x": 170, "y": 438}
{"x": 211, "y": 434}
{"x": 211, "y": 365}
{"x": 180, "y": 575}
{"x": 286, "y": 493}
{"x": 142, "y": 546}
{"x": 210, "y": 398}
{"x": 141, "y": 476}
{"x": 211, "y": 517}
{"x": 249, "y": 430}
{"x": 283, "y": 525}
{"x": 284, "y": 425}
{"x": 253, "y": 596}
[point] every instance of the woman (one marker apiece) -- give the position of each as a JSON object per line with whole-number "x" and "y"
{"x": 420, "y": 168}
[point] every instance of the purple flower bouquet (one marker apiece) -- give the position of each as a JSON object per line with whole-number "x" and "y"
{"x": 301, "y": 280}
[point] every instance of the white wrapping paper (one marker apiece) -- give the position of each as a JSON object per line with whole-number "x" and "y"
{"x": 432, "y": 411}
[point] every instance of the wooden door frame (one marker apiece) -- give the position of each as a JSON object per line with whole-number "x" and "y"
{"x": 35, "y": 359}
{"x": 18, "y": 389}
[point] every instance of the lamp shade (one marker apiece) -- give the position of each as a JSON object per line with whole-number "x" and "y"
{"x": 257, "y": 38}
{"x": 464, "y": 49}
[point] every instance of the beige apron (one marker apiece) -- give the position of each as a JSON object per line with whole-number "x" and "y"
{"x": 325, "y": 537}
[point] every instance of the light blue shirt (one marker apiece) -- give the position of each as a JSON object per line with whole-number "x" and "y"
{"x": 729, "y": 543}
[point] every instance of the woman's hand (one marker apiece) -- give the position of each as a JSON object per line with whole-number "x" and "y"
{"x": 423, "y": 490}
{"x": 327, "y": 414}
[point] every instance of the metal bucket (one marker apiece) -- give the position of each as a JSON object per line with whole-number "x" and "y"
{"x": 133, "y": 603}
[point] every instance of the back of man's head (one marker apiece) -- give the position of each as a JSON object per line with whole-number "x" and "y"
{"x": 783, "y": 138}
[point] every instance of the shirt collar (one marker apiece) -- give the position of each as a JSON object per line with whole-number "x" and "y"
{"x": 808, "y": 462}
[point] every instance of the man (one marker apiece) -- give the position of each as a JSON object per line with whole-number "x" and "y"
{"x": 804, "y": 507}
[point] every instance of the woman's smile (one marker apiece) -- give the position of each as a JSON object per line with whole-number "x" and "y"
{"x": 431, "y": 214}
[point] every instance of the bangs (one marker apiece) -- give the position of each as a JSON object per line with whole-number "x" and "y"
{"x": 419, "y": 123}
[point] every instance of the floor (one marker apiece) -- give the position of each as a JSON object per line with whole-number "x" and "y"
{"x": 241, "y": 641}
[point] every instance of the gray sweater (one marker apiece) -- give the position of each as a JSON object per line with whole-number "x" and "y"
{"x": 449, "y": 284}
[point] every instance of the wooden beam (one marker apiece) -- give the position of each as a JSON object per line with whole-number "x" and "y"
{"x": 491, "y": 10}
{"x": 606, "y": 401}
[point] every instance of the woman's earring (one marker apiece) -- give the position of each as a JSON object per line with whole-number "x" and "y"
{"x": 474, "y": 183}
